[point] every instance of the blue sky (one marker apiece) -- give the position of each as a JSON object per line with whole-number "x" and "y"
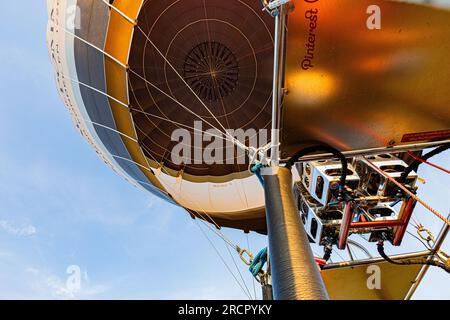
{"x": 61, "y": 206}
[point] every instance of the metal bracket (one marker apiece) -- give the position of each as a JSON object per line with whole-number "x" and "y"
{"x": 399, "y": 224}
{"x": 272, "y": 7}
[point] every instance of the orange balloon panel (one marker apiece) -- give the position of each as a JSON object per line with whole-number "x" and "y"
{"x": 366, "y": 74}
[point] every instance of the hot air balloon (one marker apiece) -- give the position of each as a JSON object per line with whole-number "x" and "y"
{"x": 127, "y": 87}
{"x": 133, "y": 72}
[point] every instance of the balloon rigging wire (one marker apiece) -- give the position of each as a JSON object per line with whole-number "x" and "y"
{"x": 216, "y": 230}
{"x": 176, "y": 101}
{"x": 90, "y": 44}
{"x": 128, "y": 137}
{"x": 181, "y": 78}
{"x": 131, "y": 108}
{"x": 223, "y": 260}
{"x": 134, "y": 23}
{"x": 239, "y": 272}
{"x": 253, "y": 278}
{"x": 142, "y": 78}
{"x": 148, "y": 114}
{"x": 221, "y": 235}
{"x": 235, "y": 141}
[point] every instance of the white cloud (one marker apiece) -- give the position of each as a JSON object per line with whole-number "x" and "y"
{"x": 26, "y": 231}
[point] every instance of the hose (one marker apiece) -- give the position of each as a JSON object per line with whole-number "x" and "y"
{"x": 322, "y": 148}
{"x": 426, "y": 261}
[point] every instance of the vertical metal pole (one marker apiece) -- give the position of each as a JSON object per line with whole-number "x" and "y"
{"x": 280, "y": 19}
{"x": 437, "y": 246}
{"x": 267, "y": 292}
{"x": 266, "y": 286}
{"x": 295, "y": 274}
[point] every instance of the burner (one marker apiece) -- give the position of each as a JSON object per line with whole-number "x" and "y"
{"x": 211, "y": 70}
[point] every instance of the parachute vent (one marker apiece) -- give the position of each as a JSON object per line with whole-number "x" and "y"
{"x": 211, "y": 70}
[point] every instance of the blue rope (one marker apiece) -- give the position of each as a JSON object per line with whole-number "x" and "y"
{"x": 258, "y": 262}
{"x": 256, "y": 169}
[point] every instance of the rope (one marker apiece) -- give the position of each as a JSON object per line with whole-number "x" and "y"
{"x": 253, "y": 279}
{"x": 225, "y": 239}
{"x": 416, "y": 157}
{"x": 255, "y": 165}
{"x": 235, "y": 141}
{"x": 90, "y": 44}
{"x": 148, "y": 82}
{"x": 220, "y": 234}
{"x": 418, "y": 239}
{"x": 123, "y": 104}
{"x": 412, "y": 195}
{"x": 239, "y": 272}
{"x": 360, "y": 247}
{"x": 147, "y": 114}
{"x": 176, "y": 101}
{"x": 179, "y": 75}
{"x": 350, "y": 253}
{"x": 223, "y": 260}
{"x": 145, "y": 80}
{"x": 256, "y": 169}
{"x": 134, "y": 23}
{"x": 128, "y": 137}
{"x": 258, "y": 262}
{"x": 204, "y": 213}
